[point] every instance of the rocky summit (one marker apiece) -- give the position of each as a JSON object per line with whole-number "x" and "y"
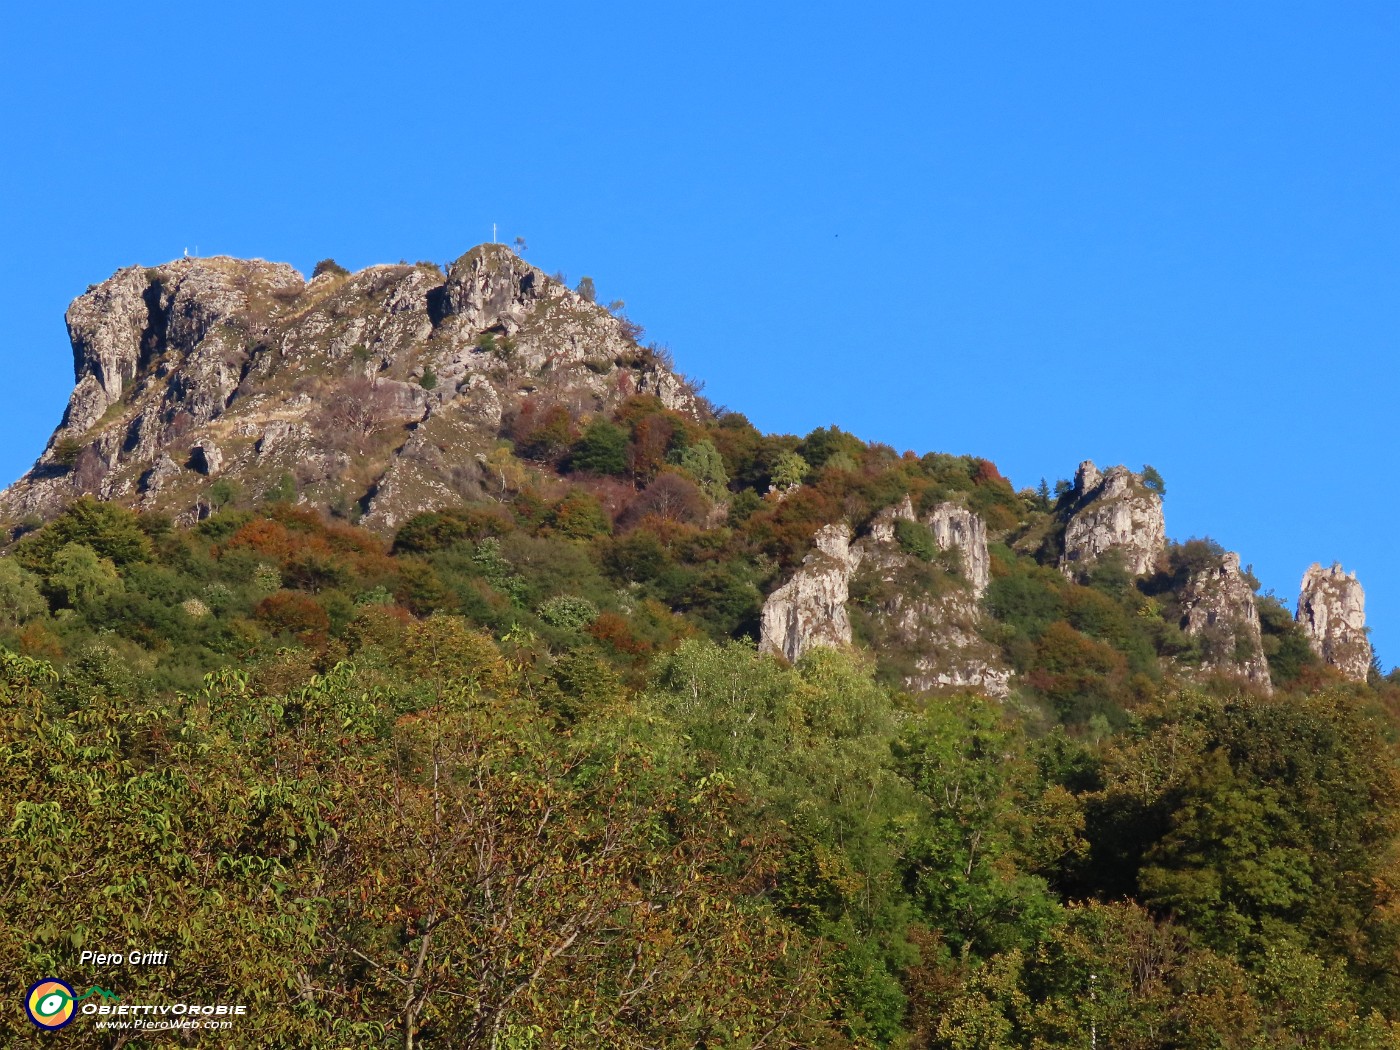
{"x": 1113, "y": 512}
{"x": 380, "y": 392}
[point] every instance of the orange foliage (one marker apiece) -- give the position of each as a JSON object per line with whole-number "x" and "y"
{"x": 613, "y": 631}
{"x": 296, "y": 614}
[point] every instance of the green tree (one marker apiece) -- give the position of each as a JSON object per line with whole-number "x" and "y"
{"x": 702, "y": 462}
{"x": 602, "y": 449}
{"x": 789, "y": 471}
{"x": 20, "y": 598}
{"x": 79, "y": 576}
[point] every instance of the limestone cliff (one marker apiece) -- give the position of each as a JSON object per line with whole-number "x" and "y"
{"x": 923, "y": 619}
{"x": 1332, "y": 613}
{"x": 1219, "y": 609}
{"x": 375, "y": 389}
{"x": 810, "y": 609}
{"x": 1112, "y": 511}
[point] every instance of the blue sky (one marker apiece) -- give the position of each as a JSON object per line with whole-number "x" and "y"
{"x": 1135, "y": 233}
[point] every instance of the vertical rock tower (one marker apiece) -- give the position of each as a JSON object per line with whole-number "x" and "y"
{"x": 1113, "y": 511}
{"x": 1220, "y": 610}
{"x": 810, "y": 609}
{"x": 1332, "y": 613}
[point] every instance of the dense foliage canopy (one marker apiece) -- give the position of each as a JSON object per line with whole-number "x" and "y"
{"x": 521, "y": 779}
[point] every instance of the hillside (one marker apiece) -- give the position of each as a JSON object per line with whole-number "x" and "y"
{"x": 775, "y": 740}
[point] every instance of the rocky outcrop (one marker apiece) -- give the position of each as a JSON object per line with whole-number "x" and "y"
{"x": 1113, "y": 511}
{"x": 1332, "y": 613}
{"x": 810, "y": 609}
{"x": 954, "y": 527}
{"x": 921, "y": 617}
{"x": 373, "y": 390}
{"x": 1219, "y": 609}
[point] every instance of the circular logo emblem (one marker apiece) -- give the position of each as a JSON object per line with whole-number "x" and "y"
{"x": 49, "y": 1003}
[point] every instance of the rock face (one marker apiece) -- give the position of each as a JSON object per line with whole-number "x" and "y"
{"x": 921, "y": 618}
{"x": 1332, "y": 613}
{"x": 957, "y": 528}
{"x": 373, "y": 390}
{"x": 1113, "y": 511}
{"x": 1219, "y": 609}
{"x": 810, "y": 609}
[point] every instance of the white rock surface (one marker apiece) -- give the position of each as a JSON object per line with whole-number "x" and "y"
{"x": 1220, "y": 610}
{"x": 1332, "y": 613}
{"x": 1113, "y": 512}
{"x": 810, "y": 609}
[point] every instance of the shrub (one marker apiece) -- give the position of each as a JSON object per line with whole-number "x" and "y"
{"x": 542, "y": 432}
{"x": 439, "y": 530}
{"x": 568, "y": 611}
{"x": 267, "y": 578}
{"x": 66, "y": 452}
{"x": 703, "y": 463}
{"x": 331, "y": 267}
{"x": 671, "y": 498}
{"x": 916, "y": 538}
{"x": 831, "y": 444}
{"x": 428, "y": 380}
{"x": 80, "y": 576}
{"x": 223, "y": 492}
{"x": 111, "y": 531}
{"x": 789, "y": 471}
{"x": 20, "y": 600}
{"x": 293, "y": 613}
{"x": 579, "y": 516}
{"x": 601, "y": 450}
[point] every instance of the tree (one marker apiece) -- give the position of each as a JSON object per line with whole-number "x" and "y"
{"x": 1152, "y": 481}
{"x": 20, "y": 599}
{"x": 703, "y": 463}
{"x": 586, "y": 288}
{"x": 789, "y": 471}
{"x": 602, "y": 449}
{"x": 80, "y": 576}
{"x": 111, "y": 531}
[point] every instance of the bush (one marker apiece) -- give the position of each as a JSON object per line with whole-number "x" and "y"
{"x": 916, "y": 538}
{"x": 67, "y": 451}
{"x": 295, "y": 614}
{"x": 569, "y": 612}
{"x": 439, "y": 530}
{"x": 601, "y": 450}
{"x": 331, "y": 267}
{"x": 111, "y": 531}
{"x": 671, "y": 498}
{"x": 578, "y": 516}
{"x": 703, "y": 463}
{"x": 789, "y": 471}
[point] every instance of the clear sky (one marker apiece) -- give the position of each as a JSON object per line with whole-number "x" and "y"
{"x": 1162, "y": 233}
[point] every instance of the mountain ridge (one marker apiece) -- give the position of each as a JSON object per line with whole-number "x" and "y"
{"x": 399, "y": 390}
